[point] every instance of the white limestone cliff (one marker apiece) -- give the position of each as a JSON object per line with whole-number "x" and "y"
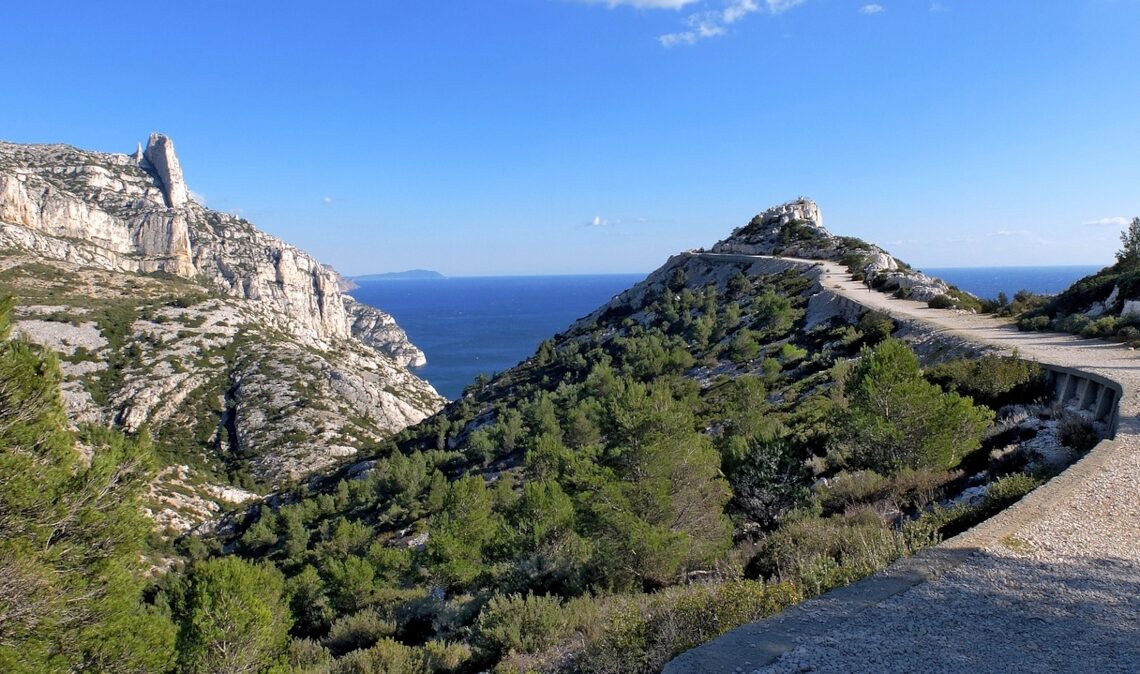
{"x": 133, "y": 213}
{"x": 159, "y": 155}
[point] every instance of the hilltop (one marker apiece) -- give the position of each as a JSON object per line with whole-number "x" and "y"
{"x": 236, "y": 351}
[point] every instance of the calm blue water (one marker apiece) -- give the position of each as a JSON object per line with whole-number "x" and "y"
{"x": 987, "y": 282}
{"x": 468, "y": 326}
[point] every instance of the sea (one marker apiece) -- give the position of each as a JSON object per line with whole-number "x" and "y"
{"x": 486, "y": 324}
{"x": 468, "y": 326}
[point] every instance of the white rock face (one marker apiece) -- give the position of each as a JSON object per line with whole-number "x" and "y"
{"x": 106, "y": 210}
{"x": 1131, "y": 308}
{"x": 160, "y": 155}
{"x": 380, "y": 331}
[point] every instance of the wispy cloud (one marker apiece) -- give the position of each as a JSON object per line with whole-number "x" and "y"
{"x": 327, "y": 200}
{"x": 602, "y": 221}
{"x": 1118, "y": 221}
{"x": 712, "y": 23}
{"x": 872, "y": 8}
{"x": 1010, "y": 232}
{"x": 642, "y": 4}
{"x": 936, "y": 7}
{"x": 781, "y": 6}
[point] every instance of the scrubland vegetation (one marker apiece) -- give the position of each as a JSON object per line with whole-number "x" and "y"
{"x": 644, "y": 482}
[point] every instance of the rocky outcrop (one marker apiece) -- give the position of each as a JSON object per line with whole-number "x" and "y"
{"x": 159, "y": 156}
{"x": 792, "y": 229}
{"x": 795, "y": 229}
{"x": 380, "y": 331}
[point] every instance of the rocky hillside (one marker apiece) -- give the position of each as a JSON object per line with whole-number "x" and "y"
{"x": 238, "y": 352}
{"x": 723, "y": 439}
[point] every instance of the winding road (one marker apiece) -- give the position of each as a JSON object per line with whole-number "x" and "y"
{"x": 1051, "y": 584}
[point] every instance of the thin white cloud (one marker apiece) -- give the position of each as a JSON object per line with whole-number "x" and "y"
{"x": 936, "y": 7}
{"x": 781, "y": 6}
{"x": 1010, "y": 232}
{"x": 872, "y": 8}
{"x": 602, "y": 221}
{"x": 642, "y": 4}
{"x": 327, "y": 200}
{"x": 1118, "y": 221}
{"x": 713, "y": 23}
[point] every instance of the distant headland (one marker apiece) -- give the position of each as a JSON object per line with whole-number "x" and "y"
{"x": 409, "y": 275}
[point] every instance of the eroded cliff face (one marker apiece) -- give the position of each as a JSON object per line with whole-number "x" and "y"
{"x": 134, "y": 213}
{"x": 238, "y": 352}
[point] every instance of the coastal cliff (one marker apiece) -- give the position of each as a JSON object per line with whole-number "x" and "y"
{"x": 238, "y": 352}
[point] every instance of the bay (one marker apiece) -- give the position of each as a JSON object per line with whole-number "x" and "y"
{"x": 486, "y": 324}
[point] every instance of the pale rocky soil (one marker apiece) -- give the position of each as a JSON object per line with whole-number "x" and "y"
{"x": 1050, "y": 585}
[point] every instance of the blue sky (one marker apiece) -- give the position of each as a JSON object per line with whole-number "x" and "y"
{"x": 563, "y": 136}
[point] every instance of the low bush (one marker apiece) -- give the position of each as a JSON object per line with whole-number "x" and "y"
{"x": 1035, "y": 324}
{"x": 387, "y": 657}
{"x": 850, "y": 488}
{"x": 446, "y": 656}
{"x": 359, "y": 630}
{"x": 641, "y": 634}
{"x": 1101, "y": 327}
{"x": 876, "y": 326}
{"x": 1077, "y": 432}
{"x": 521, "y": 624}
{"x": 1008, "y": 490}
{"x": 941, "y": 302}
{"x": 818, "y": 554}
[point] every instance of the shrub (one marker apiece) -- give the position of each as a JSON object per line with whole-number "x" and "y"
{"x": 1007, "y": 490}
{"x": 1077, "y": 432}
{"x": 876, "y": 326}
{"x": 743, "y": 347}
{"x": 792, "y": 353}
{"x": 521, "y": 624}
{"x": 388, "y": 657}
{"x": 640, "y": 634}
{"x": 818, "y": 554}
{"x": 915, "y": 489}
{"x": 1073, "y": 323}
{"x": 306, "y": 655}
{"x": 1128, "y": 334}
{"x": 359, "y": 630}
{"x": 941, "y": 302}
{"x": 1102, "y": 327}
{"x": 446, "y": 656}
{"x": 850, "y": 488}
{"x": 1035, "y": 323}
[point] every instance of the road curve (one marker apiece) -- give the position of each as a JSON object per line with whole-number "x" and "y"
{"x": 1051, "y": 584}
